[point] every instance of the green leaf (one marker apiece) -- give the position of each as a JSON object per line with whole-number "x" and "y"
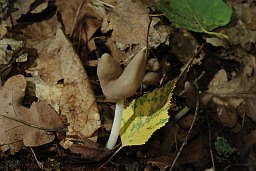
{"x": 199, "y": 15}
{"x": 145, "y": 115}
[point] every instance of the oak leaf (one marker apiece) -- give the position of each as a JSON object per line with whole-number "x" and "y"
{"x": 21, "y": 126}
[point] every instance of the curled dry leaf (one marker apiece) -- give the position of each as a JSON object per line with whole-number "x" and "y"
{"x": 21, "y": 126}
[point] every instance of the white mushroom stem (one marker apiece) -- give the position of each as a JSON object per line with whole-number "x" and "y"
{"x": 181, "y": 113}
{"x": 116, "y": 125}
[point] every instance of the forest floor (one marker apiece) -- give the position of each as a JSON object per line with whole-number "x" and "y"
{"x": 54, "y": 115}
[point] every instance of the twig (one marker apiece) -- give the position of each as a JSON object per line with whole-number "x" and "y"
{"x": 189, "y": 131}
{"x": 233, "y": 165}
{"x": 104, "y": 3}
{"x": 75, "y": 19}
{"x": 210, "y": 140}
{"x": 98, "y": 169}
{"x": 40, "y": 164}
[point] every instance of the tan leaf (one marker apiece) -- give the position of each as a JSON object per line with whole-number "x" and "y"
{"x": 78, "y": 18}
{"x": 21, "y": 8}
{"x": 58, "y": 61}
{"x": 240, "y": 90}
{"x": 129, "y": 22}
{"x": 42, "y": 30}
{"x": 21, "y": 126}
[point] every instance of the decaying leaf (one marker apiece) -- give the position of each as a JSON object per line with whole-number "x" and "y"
{"x": 3, "y": 29}
{"x": 90, "y": 150}
{"x": 58, "y": 63}
{"x": 145, "y": 115}
{"x": 19, "y": 8}
{"x": 21, "y": 126}
{"x": 42, "y": 30}
{"x": 129, "y": 21}
{"x": 7, "y": 48}
{"x": 240, "y": 90}
{"x": 158, "y": 33}
{"x": 79, "y": 19}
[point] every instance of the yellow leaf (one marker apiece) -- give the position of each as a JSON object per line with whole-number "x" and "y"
{"x": 145, "y": 115}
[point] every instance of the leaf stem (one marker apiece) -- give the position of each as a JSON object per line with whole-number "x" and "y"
{"x": 116, "y": 125}
{"x": 208, "y": 32}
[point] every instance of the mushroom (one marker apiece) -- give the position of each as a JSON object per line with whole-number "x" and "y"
{"x": 117, "y": 85}
{"x": 191, "y": 98}
{"x": 153, "y": 76}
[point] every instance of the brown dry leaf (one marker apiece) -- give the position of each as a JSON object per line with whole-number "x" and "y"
{"x": 240, "y": 35}
{"x": 240, "y": 90}
{"x": 14, "y": 119}
{"x": 129, "y": 21}
{"x": 58, "y": 61}
{"x": 158, "y": 33}
{"x": 79, "y": 19}
{"x": 21, "y": 8}
{"x": 90, "y": 150}
{"x": 42, "y": 30}
{"x": 184, "y": 46}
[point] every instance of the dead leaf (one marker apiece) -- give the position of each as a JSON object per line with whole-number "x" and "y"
{"x": 129, "y": 21}
{"x": 90, "y": 150}
{"x": 241, "y": 89}
{"x": 184, "y": 46}
{"x": 158, "y": 33}
{"x": 20, "y": 8}
{"x": 21, "y": 126}
{"x": 195, "y": 152}
{"x": 8, "y": 47}
{"x": 42, "y": 30}
{"x": 3, "y": 29}
{"x": 58, "y": 61}
{"x": 79, "y": 19}
{"x": 240, "y": 35}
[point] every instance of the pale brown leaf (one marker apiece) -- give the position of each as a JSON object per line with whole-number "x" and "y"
{"x": 240, "y": 90}
{"x": 58, "y": 61}
{"x": 78, "y": 18}
{"x": 21, "y": 126}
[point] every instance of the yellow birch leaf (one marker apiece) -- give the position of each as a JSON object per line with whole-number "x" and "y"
{"x": 145, "y": 115}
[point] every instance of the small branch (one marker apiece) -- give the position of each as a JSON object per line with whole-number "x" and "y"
{"x": 98, "y": 169}
{"x": 104, "y": 3}
{"x": 75, "y": 19}
{"x": 189, "y": 131}
{"x": 40, "y": 164}
{"x": 210, "y": 140}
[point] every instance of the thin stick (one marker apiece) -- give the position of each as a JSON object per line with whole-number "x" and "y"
{"x": 75, "y": 19}
{"x": 234, "y": 165}
{"x": 98, "y": 169}
{"x": 104, "y": 3}
{"x": 189, "y": 131}
{"x": 40, "y": 164}
{"x": 210, "y": 140}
